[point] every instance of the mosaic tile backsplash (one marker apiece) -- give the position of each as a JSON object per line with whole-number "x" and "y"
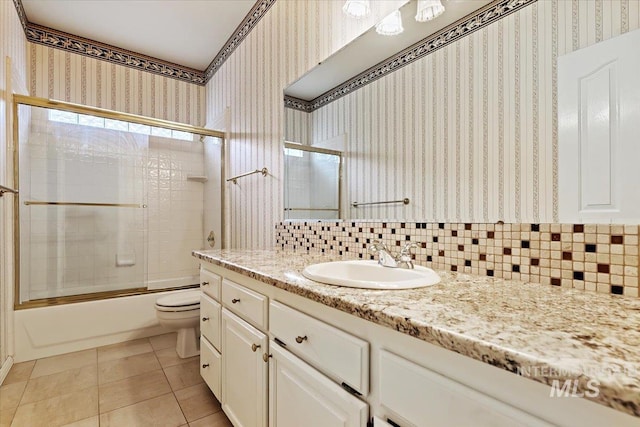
{"x": 595, "y": 257}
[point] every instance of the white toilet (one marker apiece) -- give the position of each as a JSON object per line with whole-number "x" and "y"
{"x": 181, "y": 311}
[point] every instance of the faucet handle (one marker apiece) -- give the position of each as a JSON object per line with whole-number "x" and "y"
{"x": 376, "y": 246}
{"x": 406, "y": 249}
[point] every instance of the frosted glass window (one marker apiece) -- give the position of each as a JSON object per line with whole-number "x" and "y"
{"x": 116, "y": 124}
{"x": 143, "y": 129}
{"x": 186, "y": 136}
{"x": 63, "y": 116}
{"x": 293, "y": 153}
{"x": 156, "y": 131}
{"x": 97, "y": 122}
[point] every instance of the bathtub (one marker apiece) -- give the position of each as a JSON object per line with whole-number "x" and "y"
{"x": 49, "y": 331}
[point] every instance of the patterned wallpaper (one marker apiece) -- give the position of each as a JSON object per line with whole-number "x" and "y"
{"x": 289, "y": 40}
{"x": 66, "y": 76}
{"x": 469, "y": 133}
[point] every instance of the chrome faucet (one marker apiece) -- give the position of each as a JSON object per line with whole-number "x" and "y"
{"x": 387, "y": 259}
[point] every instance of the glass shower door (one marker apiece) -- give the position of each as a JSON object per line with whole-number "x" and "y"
{"x": 82, "y": 205}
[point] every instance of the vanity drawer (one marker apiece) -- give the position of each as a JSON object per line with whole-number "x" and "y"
{"x": 340, "y": 356}
{"x": 210, "y": 283}
{"x": 211, "y": 367}
{"x": 210, "y": 320}
{"x": 249, "y": 305}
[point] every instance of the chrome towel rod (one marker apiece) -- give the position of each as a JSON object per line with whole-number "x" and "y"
{"x": 263, "y": 171}
{"x": 404, "y": 201}
{"x": 4, "y": 189}
{"x": 311, "y": 209}
{"x": 102, "y": 205}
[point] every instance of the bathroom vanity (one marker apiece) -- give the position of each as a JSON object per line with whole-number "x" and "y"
{"x": 277, "y": 348}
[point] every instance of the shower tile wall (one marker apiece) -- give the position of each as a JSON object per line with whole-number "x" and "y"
{"x": 602, "y": 257}
{"x": 71, "y": 250}
{"x": 176, "y": 208}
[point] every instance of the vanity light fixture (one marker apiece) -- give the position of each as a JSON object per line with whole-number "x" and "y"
{"x": 356, "y": 8}
{"x": 428, "y": 10}
{"x": 391, "y": 25}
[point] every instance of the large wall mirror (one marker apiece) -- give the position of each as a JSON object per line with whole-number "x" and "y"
{"x": 458, "y": 119}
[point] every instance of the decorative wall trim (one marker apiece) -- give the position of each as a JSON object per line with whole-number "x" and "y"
{"x": 93, "y": 49}
{"x": 253, "y": 17}
{"x": 71, "y": 43}
{"x": 21, "y": 14}
{"x": 298, "y": 104}
{"x": 477, "y": 20}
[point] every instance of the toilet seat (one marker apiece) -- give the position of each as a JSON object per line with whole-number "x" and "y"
{"x": 182, "y": 301}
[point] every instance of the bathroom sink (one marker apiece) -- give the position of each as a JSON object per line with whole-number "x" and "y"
{"x": 370, "y": 275}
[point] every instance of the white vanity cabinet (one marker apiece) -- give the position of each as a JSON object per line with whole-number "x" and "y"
{"x": 325, "y": 367}
{"x": 301, "y": 396}
{"x": 244, "y": 372}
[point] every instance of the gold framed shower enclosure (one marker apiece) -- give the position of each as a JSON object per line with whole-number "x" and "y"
{"x": 19, "y": 100}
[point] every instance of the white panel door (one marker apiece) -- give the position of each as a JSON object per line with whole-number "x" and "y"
{"x": 244, "y": 372}
{"x": 599, "y": 125}
{"x": 301, "y": 396}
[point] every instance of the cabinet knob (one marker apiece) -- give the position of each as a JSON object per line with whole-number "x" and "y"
{"x": 204, "y": 319}
{"x": 205, "y": 365}
{"x": 266, "y": 357}
{"x": 254, "y": 347}
{"x": 300, "y": 339}
{"x": 205, "y": 283}
{"x": 235, "y": 300}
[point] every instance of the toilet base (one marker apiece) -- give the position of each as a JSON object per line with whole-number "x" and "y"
{"x": 188, "y": 342}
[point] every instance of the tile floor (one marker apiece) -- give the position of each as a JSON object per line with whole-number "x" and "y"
{"x": 140, "y": 383}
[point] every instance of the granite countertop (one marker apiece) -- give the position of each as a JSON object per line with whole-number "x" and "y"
{"x": 546, "y": 332}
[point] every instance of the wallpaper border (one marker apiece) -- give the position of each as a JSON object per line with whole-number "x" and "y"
{"x": 479, "y": 19}
{"x": 71, "y": 43}
{"x": 248, "y": 23}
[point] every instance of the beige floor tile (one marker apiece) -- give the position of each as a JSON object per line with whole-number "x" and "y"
{"x": 11, "y": 394}
{"x": 184, "y": 375}
{"x": 197, "y": 402}
{"x": 132, "y": 390}
{"x": 169, "y": 357}
{"x": 163, "y": 341}
{"x": 59, "y": 410}
{"x": 119, "y": 369}
{"x": 19, "y": 372}
{"x": 87, "y": 422}
{"x": 6, "y": 416}
{"x": 64, "y": 382}
{"x": 55, "y": 364}
{"x": 219, "y": 419}
{"x": 124, "y": 349}
{"x": 162, "y": 411}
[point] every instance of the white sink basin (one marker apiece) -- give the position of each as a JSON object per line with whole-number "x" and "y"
{"x": 370, "y": 275}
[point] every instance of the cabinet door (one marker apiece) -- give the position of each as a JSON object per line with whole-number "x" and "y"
{"x": 422, "y": 398}
{"x": 301, "y": 396}
{"x": 244, "y": 372}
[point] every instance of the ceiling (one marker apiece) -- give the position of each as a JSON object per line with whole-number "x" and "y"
{"x": 186, "y": 32}
{"x": 371, "y": 48}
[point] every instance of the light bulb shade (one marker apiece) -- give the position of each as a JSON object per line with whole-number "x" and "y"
{"x": 428, "y": 10}
{"x": 356, "y": 8}
{"x": 391, "y": 25}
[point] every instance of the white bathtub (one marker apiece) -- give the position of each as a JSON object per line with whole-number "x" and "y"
{"x": 49, "y": 331}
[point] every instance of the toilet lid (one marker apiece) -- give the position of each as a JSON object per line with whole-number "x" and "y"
{"x": 180, "y": 300}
